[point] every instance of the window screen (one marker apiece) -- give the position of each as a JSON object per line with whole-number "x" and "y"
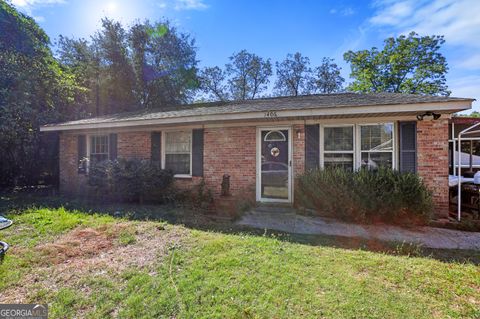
{"x": 178, "y": 151}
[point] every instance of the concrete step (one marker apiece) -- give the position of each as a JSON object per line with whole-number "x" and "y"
{"x": 274, "y": 208}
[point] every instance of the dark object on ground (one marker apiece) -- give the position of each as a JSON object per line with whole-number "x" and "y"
{"x": 5, "y": 223}
{"x": 3, "y": 249}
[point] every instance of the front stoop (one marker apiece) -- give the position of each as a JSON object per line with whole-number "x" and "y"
{"x": 274, "y": 208}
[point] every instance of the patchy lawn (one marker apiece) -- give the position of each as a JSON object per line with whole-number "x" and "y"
{"x": 92, "y": 266}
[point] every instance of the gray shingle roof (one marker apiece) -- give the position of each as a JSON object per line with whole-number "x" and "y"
{"x": 317, "y": 101}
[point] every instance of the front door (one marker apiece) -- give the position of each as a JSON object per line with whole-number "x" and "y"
{"x": 274, "y": 165}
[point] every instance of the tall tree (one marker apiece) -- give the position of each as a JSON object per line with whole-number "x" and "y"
{"x": 406, "y": 64}
{"x": 164, "y": 62}
{"x": 80, "y": 60}
{"x": 212, "y": 82}
{"x": 112, "y": 44}
{"x": 249, "y": 75}
{"x": 294, "y": 75}
{"x": 34, "y": 90}
{"x": 146, "y": 66}
{"x": 327, "y": 78}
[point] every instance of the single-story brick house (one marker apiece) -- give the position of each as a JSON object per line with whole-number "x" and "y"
{"x": 263, "y": 144}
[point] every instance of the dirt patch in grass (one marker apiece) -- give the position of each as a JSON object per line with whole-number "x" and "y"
{"x": 86, "y": 252}
{"x": 79, "y": 243}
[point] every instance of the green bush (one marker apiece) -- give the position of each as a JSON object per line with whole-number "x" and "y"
{"x": 131, "y": 180}
{"x": 383, "y": 195}
{"x": 198, "y": 197}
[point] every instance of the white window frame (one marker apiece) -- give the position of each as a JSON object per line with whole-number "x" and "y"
{"x": 359, "y": 144}
{"x": 164, "y": 147}
{"x": 357, "y": 152}
{"x": 322, "y": 144}
{"x": 89, "y": 148}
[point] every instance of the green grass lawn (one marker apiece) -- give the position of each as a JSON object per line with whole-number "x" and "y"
{"x": 95, "y": 266}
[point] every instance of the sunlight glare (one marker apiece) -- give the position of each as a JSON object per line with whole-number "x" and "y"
{"x": 111, "y": 7}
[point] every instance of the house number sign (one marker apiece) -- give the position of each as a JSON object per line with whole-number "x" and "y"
{"x": 271, "y": 115}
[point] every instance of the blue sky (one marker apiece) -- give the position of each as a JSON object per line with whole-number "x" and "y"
{"x": 274, "y": 28}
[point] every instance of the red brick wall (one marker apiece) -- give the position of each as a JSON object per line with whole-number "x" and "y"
{"x": 70, "y": 180}
{"x": 231, "y": 151}
{"x": 432, "y": 159}
{"x": 134, "y": 145}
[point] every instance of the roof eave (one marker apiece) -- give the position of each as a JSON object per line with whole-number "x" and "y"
{"x": 356, "y": 111}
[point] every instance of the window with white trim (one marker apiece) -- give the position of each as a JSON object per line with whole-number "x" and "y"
{"x": 178, "y": 151}
{"x": 338, "y": 147}
{"x": 98, "y": 148}
{"x": 376, "y": 145}
{"x": 352, "y": 146}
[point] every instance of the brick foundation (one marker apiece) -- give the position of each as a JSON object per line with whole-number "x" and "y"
{"x": 432, "y": 161}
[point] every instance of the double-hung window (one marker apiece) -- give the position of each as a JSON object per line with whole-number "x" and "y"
{"x": 98, "y": 148}
{"x": 178, "y": 151}
{"x": 338, "y": 147}
{"x": 353, "y": 146}
{"x": 376, "y": 145}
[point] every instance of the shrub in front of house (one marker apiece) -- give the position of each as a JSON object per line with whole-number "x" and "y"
{"x": 383, "y": 195}
{"x": 131, "y": 180}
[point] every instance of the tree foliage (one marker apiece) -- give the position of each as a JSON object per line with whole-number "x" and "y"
{"x": 111, "y": 43}
{"x": 164, "y": 63}
{"x": 80, "y": 60}
{"x": 294, "y": 75}
{"x": 244, "y": 78}
{"x": 149, "y": 65}
{"x": 212, "y": 82}
{"x": 406, "y": 64}
{"x": 327, "y": 78}
{"x": 34, "y": 90}
{"x": 249, "y": 75}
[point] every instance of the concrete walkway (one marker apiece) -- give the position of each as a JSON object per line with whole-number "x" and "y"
{"x": 286, "y": 220}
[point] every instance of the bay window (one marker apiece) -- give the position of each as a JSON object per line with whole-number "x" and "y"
{"x": 178, "y": 150}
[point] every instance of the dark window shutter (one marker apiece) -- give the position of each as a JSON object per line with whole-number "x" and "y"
{"x": 112, "y": 144}
{"x": 156, "y": 148}
{"x": 312, "y": 147}
{"x": 82, "y": 154}
{"x": 408, "y": 146}
{"x": 197, "y": 152}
